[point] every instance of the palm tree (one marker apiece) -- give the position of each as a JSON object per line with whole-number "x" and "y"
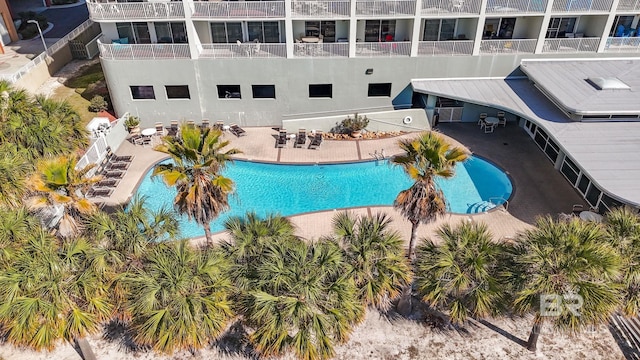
{"x": 48, "y": 292}
{"x": 571, "y": 259}
{"x": 198, "y": 158}
{"x": 426, "y": 158}
{"x": 297, "y": 297}
{"x": 376, "y": 256}
{"x": 13, "y": 171}
{"x": 16, "y": 226}
{"x": 179, "y": 298}
{"x": 459, "y": 273}
{"x": 623, "y": 230}
{"x": 58, "y": 194}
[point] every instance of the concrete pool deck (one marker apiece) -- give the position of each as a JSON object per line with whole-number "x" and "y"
{"x": 538, "y": 188}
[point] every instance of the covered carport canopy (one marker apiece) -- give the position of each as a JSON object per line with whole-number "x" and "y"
{"x": 607, "y": 152}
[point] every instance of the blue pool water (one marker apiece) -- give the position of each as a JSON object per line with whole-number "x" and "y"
{"x": 294, "y": 189}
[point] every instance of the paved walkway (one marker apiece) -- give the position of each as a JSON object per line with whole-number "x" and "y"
{"x": 538, "y": 188}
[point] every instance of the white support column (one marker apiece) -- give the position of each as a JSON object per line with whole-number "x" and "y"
{"x": 353, "y": 29}
{"x": 415, "y": 35}
{"x": 542, "y": 35}
{"x": 480, "y": 28}
{"x": 430, "y": 109}
{"x": 288, "y": 28}
{"x": 604, "y": 38}
{"x": 195, "y": 47}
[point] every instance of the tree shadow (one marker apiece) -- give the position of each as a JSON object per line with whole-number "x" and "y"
{"x": 235, "y": 342}
{"x": 120, "y": 333}
{"x": 503, "y": 332}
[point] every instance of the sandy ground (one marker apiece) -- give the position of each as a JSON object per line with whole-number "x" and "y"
{"x": 386, "y": 337}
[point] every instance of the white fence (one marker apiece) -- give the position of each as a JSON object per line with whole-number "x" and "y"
{"x": 619, "y": 44}
{"x": 516, "y": 6}
{"x": 238, "y": 9}
{"x": 582, "y": 5}
{"x": 98, "y": 149}
{"x": 511, "y": 46}
{"x": 136, "y": 10}
{"x": 321, "y": 50}
{"x": 449, "y": 114}
{"x": 629, "y": 5}
{"x": 144, "y": 51}
{"x": 445, "y": 48}
{"x": 320, "y": 8}
{"x": 572, "y": 45}
{"x": 383, "y": 49}
{"x": 243, "y": 50}
{"x": 385, "y": 8}
{"x": 450, "y": 7}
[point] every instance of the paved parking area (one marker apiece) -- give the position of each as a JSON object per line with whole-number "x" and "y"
{"x": 539, "y": 188}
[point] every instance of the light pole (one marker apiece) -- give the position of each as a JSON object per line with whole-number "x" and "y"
{"x": 40, "y": 31}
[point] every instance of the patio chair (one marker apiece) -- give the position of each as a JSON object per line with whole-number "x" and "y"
{"x": 488, "y": 128}
{"x": 113, "y": 174}
{"x": 316, "y": 141}
{"x": 191, "y": 123}
{"x": 204, "y": 124}
{"x": 301, "y": 139}
{"x": 118, "y": 158}
{"x": 502, "y": 120}
{"x": 577, "y": 209}
{"x": 481, "y": 121}
{"x": 134, "y": 139}
{"x": 117, "y": 166}
{"x": 108, "y": 183}
{"x": 219, "y": 125}
{"x": 173, "y": 128}
{"x": 281, "y": 141}
{"x": 237, "y": 130}
{"x": 100, "y": 192}
{"x": 159, "y": 129}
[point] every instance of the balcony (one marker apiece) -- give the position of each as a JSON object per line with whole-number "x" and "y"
{"x": 320, "y": 9}
{"x": 516, "y": 6}
{"x": 622, "y": 45}
{"x": 445, "y": 48}
{"x": 135, "y": 10}
{"x": 238, "y": 9}
{"x": 574, "y": 45}
{"x": 581, "y": 6}
{"x": 144, "y": 51}
{"x": 629, "y": 5}
{"x": 385, "y": 8}
{"x": 509, "y": 46}
{"x": 243, "y": 51}
{"x": 383, "y": 49}
{"x": 326, "y": 50}
{"x": 450, "y": 7}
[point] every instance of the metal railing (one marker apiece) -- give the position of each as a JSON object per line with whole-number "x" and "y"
{"x": 238, "y": 9}
{"x": 385, "y": 8}
{"x": 245, "y": 50}
{"x": 445, "y": 48}
{"x": 572, "y": 45}
{"x": 510, "y": 46}
{"x": 135, "y": 10}
{"x": 629, "y": 5}
{"x": 582, "y": 5}
{"x": 450, "y": 7}
{"x": 144, "y": 51}
{"x": 449, "y": 114}
{"x": 94, "y": 155}
{"x": 623, "y": 45}
{"x": 516, "y": 6}
{"x": 321, "y": 50}
{"x": 321, "y": 8}
{"x": 383, "y": 49}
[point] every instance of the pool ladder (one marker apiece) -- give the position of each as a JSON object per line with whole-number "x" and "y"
{"x": 378, "y": 156}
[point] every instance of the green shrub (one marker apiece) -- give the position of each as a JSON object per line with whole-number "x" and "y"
{"x": 97, "y": 104}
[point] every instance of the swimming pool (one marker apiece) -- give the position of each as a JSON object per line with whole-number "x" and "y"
{"x": 293, "y": 189}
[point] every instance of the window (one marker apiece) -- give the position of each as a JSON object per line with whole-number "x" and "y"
{"x": 229, "y": 92}
{"x": 263, "y": 91}
{"x": 379, "y": 30}
{"x": 325, "y": 28}
{"x": 171, "y": 32}
{"x": 264, "y": 32}
{"x": 501, "y": 28}
{"x": 135, "y": 33}
{"x": 226, "y": 32}
{"x": 559, "y": 27}
{"x": 570, "y": 170}
{"x": 142, "y": 92}
{"x": 622, "y": 26}
{"x": 382, "y": 89}
{"x": 439, "y": 29}
{"x": 320, "y": 90}
{"x": 177, "y": 92}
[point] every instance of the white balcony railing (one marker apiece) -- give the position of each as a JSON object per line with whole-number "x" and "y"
{"x": 238, "y": 9}
{"x": 582, "y": 5}
{"x": 516, "y": 6}
{"x": 445, "y": 48}
{"x": 246, "y": 51}
{"x": 629, "y": 5}
{"x": 144, "y": 51}
{"x": 575, "y": 45}
{"x": 135, "y": 10}
{"x": 385, "y": 8}
{"x": 623, "y": 45}
{"x": 383, "y": 49}
{"x": 320, "y": 8}
{"x": 450, "y": 7}
{"x": 321, "y": 50}
{"x": 510, "y": 46}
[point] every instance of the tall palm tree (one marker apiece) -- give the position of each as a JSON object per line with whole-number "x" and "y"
{"x": 459, "y": 273}
{"x": 376, "y": 255}
{"x": 570, "y": 259}
{"x": 623, "y": 230}
{"x": 48, "y": 293}
{"x": 425, "y": 158}
{"x": 198, "y": 158}
{"x": 179, "y": 298}
{"x": 58, "y": 194}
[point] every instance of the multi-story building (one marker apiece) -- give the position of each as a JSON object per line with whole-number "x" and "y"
{"x": 258, "y": 62}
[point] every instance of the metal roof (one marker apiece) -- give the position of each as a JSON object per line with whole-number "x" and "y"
{"x": 608, "y": 152}
{"x": 565, "y": 82}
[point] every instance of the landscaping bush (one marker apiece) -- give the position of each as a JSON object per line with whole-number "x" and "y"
{"x": 98, "y": 103}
